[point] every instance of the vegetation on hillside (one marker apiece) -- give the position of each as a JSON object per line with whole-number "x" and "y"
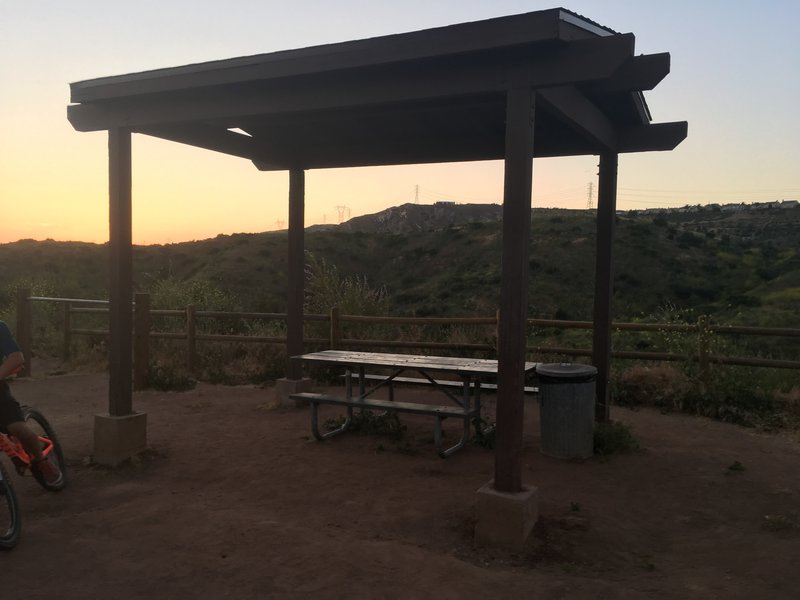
{"x": 739, "y": 268}
{"x": 736, "y": 267}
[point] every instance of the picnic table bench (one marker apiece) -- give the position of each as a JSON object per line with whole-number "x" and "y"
{"x": 440, "y": 412}
{"x": 451, "y": 383}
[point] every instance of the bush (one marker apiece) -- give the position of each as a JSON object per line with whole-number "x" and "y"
{"x": 167, "y": 378}
{"x": 746, "y": 397}
{"x": 177, "y": 294}
{"x": 613, "y": 437}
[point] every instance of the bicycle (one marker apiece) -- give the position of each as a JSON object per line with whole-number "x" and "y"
{"x": 10, "y": 524}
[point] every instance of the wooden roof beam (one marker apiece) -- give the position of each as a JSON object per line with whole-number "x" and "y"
{"x": 653, "y": 137}
{"x": 336, "y": 153}
{"x": 271, "y": 154}
{"x": 646, "y": 138}
{"x": 576, "y": 111}
{"x": 206, "y": 136}
{"x": 638, "y": 73}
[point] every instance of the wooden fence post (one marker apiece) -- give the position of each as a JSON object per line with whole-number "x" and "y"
{"x": 24, "y": 334}
{"x": 191, "y": 337}
{"x": 67, "y": 348}
{"x": 336, "y": 332}
{"x": 141, "y": 340}
{"x": 704, "y": 351}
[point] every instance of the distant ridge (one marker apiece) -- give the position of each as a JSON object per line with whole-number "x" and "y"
{"x": 416, "y": 218}
{"x": 413, "y": 218}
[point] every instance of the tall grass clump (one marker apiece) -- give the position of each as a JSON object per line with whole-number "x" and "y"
{"x": 326, "y": 287}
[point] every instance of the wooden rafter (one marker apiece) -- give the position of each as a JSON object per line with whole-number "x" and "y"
{"x": 572, "y": 107}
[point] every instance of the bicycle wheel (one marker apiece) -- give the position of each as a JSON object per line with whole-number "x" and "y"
{"x": 10, "y": 524}
{"x": 41, "y": 427}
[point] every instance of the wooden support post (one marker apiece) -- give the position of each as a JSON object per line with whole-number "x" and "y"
{"x": 604, "y": 281}
{"x": 141, "y": 341}
{"x": 120, "y": 400}
{"x": 296, "y": 272}
{"x": 67, "y": 349}
{"x": 497, "y": 328}
{"x": 24, "y": 332}
{"x": 336, "y": 331}
{"x": 514, "y": 292}
{"x": 121, "y": 433}
{"x": 191, "y": 338}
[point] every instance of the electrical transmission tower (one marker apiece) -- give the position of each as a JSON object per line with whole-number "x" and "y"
{"x": 589, "y": 201}
{"x": 344, "y": 213}
{"x": 279, "y": 224}
{"x": 416, "y": 194}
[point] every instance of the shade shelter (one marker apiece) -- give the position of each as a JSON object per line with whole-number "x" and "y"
{"x": 542, "y": 84}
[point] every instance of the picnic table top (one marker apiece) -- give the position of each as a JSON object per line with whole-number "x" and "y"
{"x": 452, "y": 364}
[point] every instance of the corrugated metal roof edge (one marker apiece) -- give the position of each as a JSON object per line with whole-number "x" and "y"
{"x": 579, "y": 20}
{"x": 587, "y": 24}
{"x": 292, "y": 53}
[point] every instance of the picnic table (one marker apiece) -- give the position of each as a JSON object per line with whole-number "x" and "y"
{"x": 464, "y": 375}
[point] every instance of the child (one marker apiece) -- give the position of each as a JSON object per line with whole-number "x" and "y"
{"x": 10, "y": 414}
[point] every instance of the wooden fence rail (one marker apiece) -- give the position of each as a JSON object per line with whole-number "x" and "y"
{"x": 191, "y": 334}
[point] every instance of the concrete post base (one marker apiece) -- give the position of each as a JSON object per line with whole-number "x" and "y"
{"x": 505, "y": 520}
{"x": 284, "y": 387}
{"x": 117, "y": 439}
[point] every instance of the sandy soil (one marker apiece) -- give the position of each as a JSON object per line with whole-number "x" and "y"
{"x": 236, "y": 500}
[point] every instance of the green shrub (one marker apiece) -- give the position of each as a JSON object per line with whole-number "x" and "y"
{"x": 167, "y": 378}
{"x": 744, "y": 396}
{"x": 613, "y": 437}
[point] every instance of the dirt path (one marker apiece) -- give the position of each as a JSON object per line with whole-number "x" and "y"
{"x": 234, "y": 500}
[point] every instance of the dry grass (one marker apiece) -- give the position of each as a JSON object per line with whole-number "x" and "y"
{"x": 660, "y": 386}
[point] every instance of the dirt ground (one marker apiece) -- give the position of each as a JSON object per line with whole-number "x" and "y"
{"x": 235, "y": 499}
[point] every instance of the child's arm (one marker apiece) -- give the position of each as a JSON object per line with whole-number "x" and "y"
{"x": 12, "y": 364}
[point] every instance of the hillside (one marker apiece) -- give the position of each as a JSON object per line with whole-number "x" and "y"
{"x": 415, "y": 218}
{"x": 740, "y": 266}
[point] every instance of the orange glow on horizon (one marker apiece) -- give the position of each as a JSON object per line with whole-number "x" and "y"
{"x": 53, "y": 180}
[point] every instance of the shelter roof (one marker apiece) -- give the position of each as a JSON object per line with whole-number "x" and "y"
{"x": 435, "y": 95}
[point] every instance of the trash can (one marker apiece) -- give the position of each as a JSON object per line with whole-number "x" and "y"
{"x": 567, "y": 393}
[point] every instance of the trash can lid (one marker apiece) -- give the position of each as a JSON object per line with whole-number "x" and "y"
{"x": 566, "y": 372}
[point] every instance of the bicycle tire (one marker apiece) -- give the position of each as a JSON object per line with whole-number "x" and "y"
{"x": 9, "y": 513}
{"x": 36, "y": 420}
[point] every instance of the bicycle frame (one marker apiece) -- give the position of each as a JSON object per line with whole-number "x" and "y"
{"x": 12, "y": 447}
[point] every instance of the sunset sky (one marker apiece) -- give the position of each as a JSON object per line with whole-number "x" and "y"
{"x": 735, "y": 78}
